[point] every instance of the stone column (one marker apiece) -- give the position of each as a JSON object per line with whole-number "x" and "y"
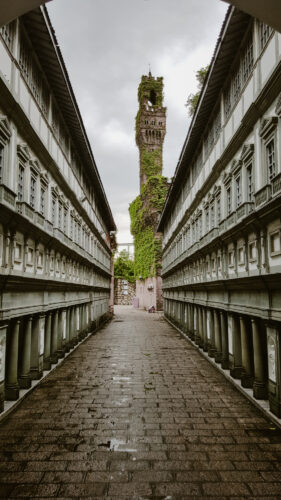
{"x": 224, "y": 341}
{"x": 67, "y": 329}
{"x": 260, "y": 382}
{"x": 200, "y": 328}
{"x": 247, "y": 374}
{"x": 217, "y": 332}
{"x": 47, "y": 346}
{"x": 74, "y": 326}
{"x": 54, "y": 338}
{"x": 37, "y": 347}
{"x": 60, "y": 350}
{"x": 11, "y": 385}
{"x": 235, "y": 355}
{"x": 185, "y": 317}
{"x": 211, "y": 347}
{"x": 195, "y": 322}
{"x": 191, "y": 321}
{"x": 205, "y": 336}
{"x": 81, "y": 322}
{"x": 3, "y": 341}
{"x": 274, "y": 367}
{"x": 25, "y": 377}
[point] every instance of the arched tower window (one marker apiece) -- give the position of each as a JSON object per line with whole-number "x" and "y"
{"x": 152, "y": 97}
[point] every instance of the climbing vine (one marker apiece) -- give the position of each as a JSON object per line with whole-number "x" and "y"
{"x": 151, "y": 162}
{"x": 144, "y": 211}
{"x": 153, "y": 85}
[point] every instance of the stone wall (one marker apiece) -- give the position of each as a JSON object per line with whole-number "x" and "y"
{"x": 124, "y": 292}
{"x": 149, "y": 293}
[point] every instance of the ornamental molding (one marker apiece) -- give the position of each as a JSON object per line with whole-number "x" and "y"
{"x": 247, "y": 152}
{"x": 34, "y": 165}
{"x": 267, "y": 126}
{"x": 23, "y": 152}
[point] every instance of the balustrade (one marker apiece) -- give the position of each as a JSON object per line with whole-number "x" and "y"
{"x": 243, "y": 344}
{"x": 31, "y": 344}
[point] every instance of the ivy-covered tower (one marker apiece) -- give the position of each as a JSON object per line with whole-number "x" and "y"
{"x": 150, "y": 125}
{"x": 145, "y": 209}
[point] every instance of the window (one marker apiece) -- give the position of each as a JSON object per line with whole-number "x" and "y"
{"x": 252, "y": 251}
{"x": 7, "y": 34}
{"x": 228, "y": 200}
{"x": 230, "y": 258}
{"x": 249, "y": 172}
{"x": 247, "y": 60}
{"x": 200, "y": 226}
{"x": 270, "y": 159}
{"x": 238, "y": 190}
{"x": 275, "y": 243}
{"x": 241, "y": 74}
{"x": 60, "y": 215}
{"x": 212, "y": 216}
{"x": 207, "y": 221}
{"x": 20, "y": 182}
{"x": 241, "y": 254}
{"x": 1, "y": 162}
{"x": 65, "y": 221}
{"x": 79, "y": 234}
{"x": 236, "y": 85}
{"x": 24, "y": 58}
{"x": 42, "y": 200}
{"x": 32, "y": 191}
{"x": 54, "y": 206}
{"x": 265, "y": 32}
{"x": 218, "y": 202}
{"x": 71, "y": 227}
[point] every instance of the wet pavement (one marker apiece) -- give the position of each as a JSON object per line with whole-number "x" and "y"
{"x": 137, "y": 413}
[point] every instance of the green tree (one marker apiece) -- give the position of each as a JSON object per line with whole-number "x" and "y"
{"x": 124, "y": 267}
{"x": 193, "y": 99}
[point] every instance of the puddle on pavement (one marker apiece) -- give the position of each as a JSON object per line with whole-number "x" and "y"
{"x": 118, "y": 379}
{"x": 117, "y": 445}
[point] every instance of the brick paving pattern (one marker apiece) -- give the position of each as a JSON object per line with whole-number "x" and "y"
{"x": 137, "y": 413}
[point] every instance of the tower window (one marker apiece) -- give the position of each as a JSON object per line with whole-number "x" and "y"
{"x": 152, "y": 97}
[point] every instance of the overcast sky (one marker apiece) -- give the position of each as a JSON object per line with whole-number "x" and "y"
{"x": 107, "y": 45}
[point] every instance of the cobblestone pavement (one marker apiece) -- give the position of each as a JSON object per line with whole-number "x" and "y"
{"x": 137, "y": 413}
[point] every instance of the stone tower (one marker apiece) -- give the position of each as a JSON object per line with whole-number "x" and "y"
{"x": 150, "y": 126}
{"x": 146, "y": 208}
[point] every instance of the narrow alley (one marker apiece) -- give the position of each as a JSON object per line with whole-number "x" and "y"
{"x": 135, "y": 412}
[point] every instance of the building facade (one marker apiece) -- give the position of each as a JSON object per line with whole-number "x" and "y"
{"x": 55, "y": 221}
{"x": 145, "y": 209}
{"x": 221, "y": 222}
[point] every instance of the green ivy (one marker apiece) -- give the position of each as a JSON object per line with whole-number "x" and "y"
{"x": 124, "y": 267}
{"x": 145, "y": 209}
{"x": 144, "y": 212}
{"x": 151, "y": 162}
{"x": 145, "y": 88}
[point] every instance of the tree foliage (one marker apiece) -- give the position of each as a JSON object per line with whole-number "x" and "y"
{"x": 193, "y": 99}
{"x": 124, "y": 267}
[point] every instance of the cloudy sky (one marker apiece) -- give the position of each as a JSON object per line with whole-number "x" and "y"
{"x": 107, "y": 45}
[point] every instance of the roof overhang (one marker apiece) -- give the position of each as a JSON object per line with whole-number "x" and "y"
{"x": 10, "y": 9}
{"x": 232, "y": 32}
{"x": 268, "y": 12}
{"x": 42, "y": 35}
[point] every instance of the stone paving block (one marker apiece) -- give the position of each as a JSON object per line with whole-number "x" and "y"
{"x": 138, "y": 385}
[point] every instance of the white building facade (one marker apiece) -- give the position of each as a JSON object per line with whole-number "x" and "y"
{"x": 221, "y": 222}
{"x": 55, "y": 221}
